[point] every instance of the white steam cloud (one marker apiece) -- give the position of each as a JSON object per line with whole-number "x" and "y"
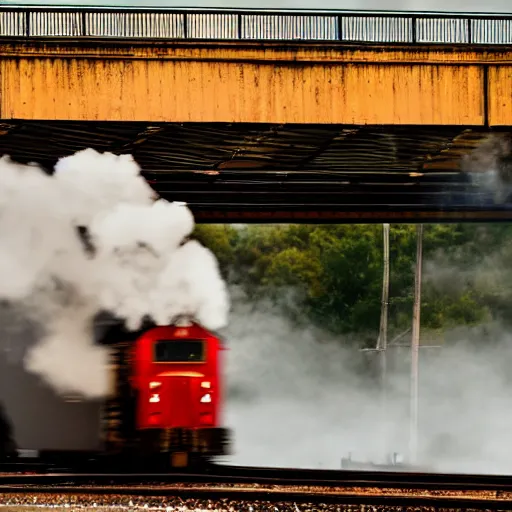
{"x": 300, "y": 397}
{"x": 489, "y": 165}
{"x": 142, "y": 263}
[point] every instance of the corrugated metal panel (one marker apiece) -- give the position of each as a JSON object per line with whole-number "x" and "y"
{"x": 491, "y": 31}
{"x": 12, "y": 23}
{"x": 55, "y": 24}
{"x": 376, "y": 29}
{"x": 289, "y": 27}
{"x": 302, "y": 168}
{"x": 440, "y": 30}
{"x": 320, "y": 151}
{"x": 212, "y": 26}
{"x": 499, "y": 95}
{"x": 182, "y": 90}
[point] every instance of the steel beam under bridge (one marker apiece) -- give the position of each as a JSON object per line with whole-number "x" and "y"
{"x": 239, "y": 172}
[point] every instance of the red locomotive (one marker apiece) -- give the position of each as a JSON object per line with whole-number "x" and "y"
{"x": 176, "y": 375}
{"x": 169, "y": 395}
{"x": 165, "y": 406}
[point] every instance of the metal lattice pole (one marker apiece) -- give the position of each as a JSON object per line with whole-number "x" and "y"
{"x": 382, "y": 342}
{"x": 415, "y": 343}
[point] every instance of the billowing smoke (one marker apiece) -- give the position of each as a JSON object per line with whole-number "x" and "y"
{"x": 138, "y": 264}
{"x": 299, "y": 397}
{"x": 490, "y": 166}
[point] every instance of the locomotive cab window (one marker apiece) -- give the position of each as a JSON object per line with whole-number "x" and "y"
{"x": 179, "y": 351}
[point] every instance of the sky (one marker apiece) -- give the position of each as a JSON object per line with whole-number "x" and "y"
{"x": 503, "y": 6}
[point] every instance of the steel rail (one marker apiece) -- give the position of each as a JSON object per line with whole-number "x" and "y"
{"x": 220, "y": 474}
{"x": 280, "y": 492}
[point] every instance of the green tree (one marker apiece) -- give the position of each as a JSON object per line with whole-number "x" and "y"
{"x": 335, "y": 272}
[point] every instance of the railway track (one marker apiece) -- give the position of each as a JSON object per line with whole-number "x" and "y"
{"x": 14, "y": 474}
{"x": 226, "y": 498}
{"x": 236, "y": 485}
{"x": 213, "y": 497}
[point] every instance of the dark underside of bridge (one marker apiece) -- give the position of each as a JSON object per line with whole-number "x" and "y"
{"x": 293, "y": 173}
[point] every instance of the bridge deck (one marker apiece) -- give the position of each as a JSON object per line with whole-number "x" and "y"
{"x": 270, "y": 115}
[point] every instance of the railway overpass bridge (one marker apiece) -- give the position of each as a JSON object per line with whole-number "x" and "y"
{"x": 272, "y": 116}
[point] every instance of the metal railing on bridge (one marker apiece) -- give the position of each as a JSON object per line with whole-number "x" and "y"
{"x": 254, "y": 25}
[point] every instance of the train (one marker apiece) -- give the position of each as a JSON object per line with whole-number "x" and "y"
{"x": 165, "y": 406}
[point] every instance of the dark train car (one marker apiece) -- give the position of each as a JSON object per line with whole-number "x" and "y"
{"x": 34, "y": 419}
{"x": 165, "y": 407}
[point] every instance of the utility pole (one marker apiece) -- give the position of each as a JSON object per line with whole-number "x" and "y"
{"x": 415, "y": 344}
{"x": 382, "y": 341}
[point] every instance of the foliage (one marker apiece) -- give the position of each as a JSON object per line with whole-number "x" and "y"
{"x": 335, "y": 271}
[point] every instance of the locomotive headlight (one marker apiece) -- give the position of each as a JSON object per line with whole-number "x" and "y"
{"x": 206, "y": 384}
{"x": 154, "y": 398}
{"x": 154, "y": 384}
{"x": 206, "y": 399}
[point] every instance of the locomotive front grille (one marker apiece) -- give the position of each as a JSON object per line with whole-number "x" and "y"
{"x": 211, "y": 441}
